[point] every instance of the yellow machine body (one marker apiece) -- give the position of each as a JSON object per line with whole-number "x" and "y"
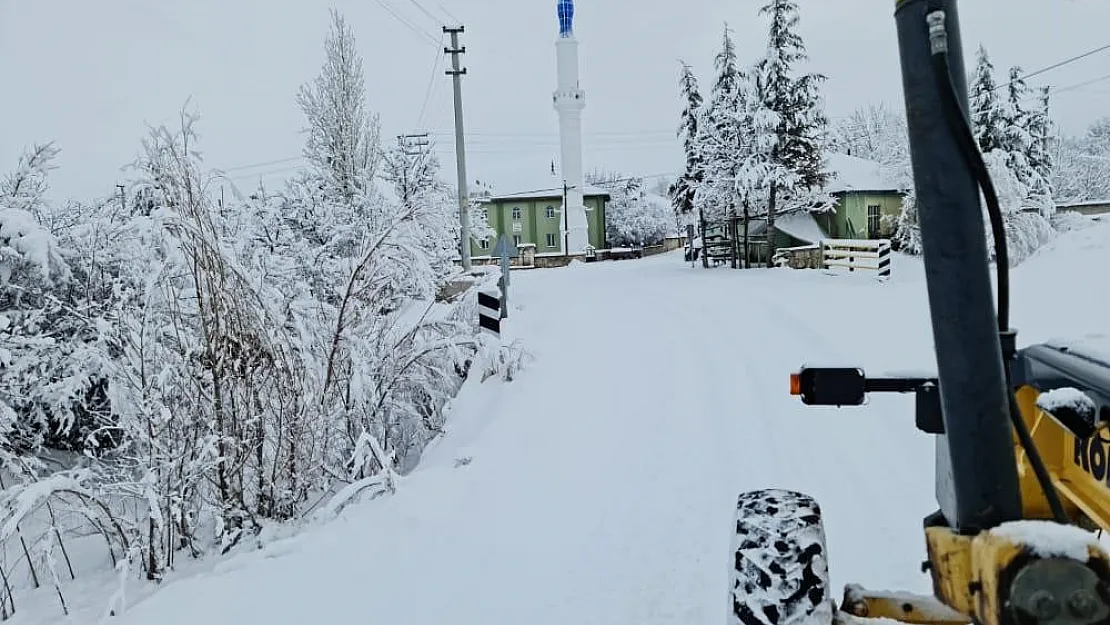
{"x": 971, "y": 574}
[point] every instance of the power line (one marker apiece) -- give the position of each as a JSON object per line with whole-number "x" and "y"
{"x": 1055, "y": 65}
{"x": 454, "y": 19}
{"x": 414, "y": 28}
{"x": 1078, "y": 85}
{"x": 435, "y": 19}
{"x": 492, "y": 145}
{"x": 431, "y": 83}
{"x": 262, "y": 164}
{"x": 559, "y": 187}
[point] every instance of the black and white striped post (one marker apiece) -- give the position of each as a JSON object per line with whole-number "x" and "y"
{"x": 884, "y": 259}
{"x": 489, "y": 312}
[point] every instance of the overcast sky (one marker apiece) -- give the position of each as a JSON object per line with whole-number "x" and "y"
{"x": 90, "y": 74}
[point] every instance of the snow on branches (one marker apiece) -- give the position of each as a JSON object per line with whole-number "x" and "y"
{"x": 756, "y": 144}
{"x": 634, "y": 216}
{"x": 178, "y": 372}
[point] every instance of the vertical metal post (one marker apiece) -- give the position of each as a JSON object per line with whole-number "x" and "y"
{"x": 456, "y": 73}
{"x": 506, "y": 263}
{"x": 977, "y": 485}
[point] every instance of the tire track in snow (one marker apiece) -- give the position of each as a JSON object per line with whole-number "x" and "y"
{"x": 839, "y": 456}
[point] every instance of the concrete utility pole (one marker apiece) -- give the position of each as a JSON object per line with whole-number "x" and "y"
{"x": 456, "y": 74}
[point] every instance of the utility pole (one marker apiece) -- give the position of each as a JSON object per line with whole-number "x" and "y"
{"x": 456, "y": 74}
{"x": 415, "y": 144}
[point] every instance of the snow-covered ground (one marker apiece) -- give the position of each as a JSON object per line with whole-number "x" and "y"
{"x": 598, "y": 487}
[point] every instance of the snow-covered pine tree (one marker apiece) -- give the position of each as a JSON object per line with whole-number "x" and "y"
{"x": 682, "y": 191}
{"x": 986, "y": 110}
{"x": 721, "y": 139}
{"x": 801, "y": 133}
{"x": 1040, "y": 129}
{"x": 1019, "y": 144}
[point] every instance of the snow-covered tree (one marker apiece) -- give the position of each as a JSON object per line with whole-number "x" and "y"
{"x": 633, "y": 216}
{"x": 986, "y": 109}
{"x": 801, "y": 131}
{"x": 720, "y": 138}
{"x": 682, "y": 191}
{"x": 194, "y": 368}
{"x": 414, "y": 173}
{"x": 1020, "y": 143}
{"x": 1041, "y": 133}
{"x": 342, "y": 144}
{"x": 1026, "y": 229}
{"x": 1082, "y": 165}
{"x": 874, "y": 132}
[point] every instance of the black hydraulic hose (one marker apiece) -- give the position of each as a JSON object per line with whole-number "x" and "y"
{"x": 1039, "y": 469}
{"x": 957, "y": 123}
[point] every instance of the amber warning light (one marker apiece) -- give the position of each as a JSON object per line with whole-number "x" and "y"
{"x": 796, "y": 383}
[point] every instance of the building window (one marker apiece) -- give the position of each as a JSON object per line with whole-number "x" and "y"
{"x": 874, "y": 214}
{"x": 484, "y": 244}
{"x": 552, "y": 240}
{"x": 551, "y": 212}
{"x": 516, "y": 240}
{"x": 516, "y": 213}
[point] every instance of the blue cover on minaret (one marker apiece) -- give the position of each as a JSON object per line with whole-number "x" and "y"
{"x": 566, "y": 17}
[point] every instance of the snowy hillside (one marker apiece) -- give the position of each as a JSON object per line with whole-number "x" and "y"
{"x": 598, "y": 486}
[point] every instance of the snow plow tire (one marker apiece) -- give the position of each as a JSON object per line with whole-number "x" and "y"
{"x": 779, "y": 573}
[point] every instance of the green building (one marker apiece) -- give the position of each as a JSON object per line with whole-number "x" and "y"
{"x": 868, "y": 204}
{"x": 867, "y": 207}
{"x": 536, "y": 217}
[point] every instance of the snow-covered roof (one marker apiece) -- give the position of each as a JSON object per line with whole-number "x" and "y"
{"x": 802, "y": 226}
{"x": 851, "y": 173}
{"x": 1105, "y": 202}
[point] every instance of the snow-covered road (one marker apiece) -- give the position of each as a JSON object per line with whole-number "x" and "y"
{"x": 603, "y": 479}
{"x": 601, "y": 482}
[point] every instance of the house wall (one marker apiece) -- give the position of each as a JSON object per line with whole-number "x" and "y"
{"x": 534, "y": 225}
{"x": 849, "y": 221}
{"x": 595, "y": 217}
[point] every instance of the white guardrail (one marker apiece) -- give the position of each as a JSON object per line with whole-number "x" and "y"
{"x": 857, "y": 255}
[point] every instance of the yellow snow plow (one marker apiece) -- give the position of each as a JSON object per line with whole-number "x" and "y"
{"x": 1023, "y": 465}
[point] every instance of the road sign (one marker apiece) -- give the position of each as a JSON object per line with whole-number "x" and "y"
{"x": 505, "y": 248}
{"x": 489, "y": 312}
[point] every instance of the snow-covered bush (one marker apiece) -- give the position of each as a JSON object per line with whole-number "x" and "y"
{"x": 633, "y": 216}
{"x": 195, "y": 370}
